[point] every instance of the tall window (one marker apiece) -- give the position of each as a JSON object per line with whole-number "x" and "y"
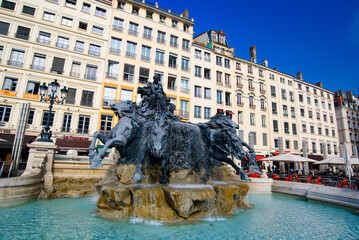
{"x": 239, "y": 99}
{"x": 45, "y": 115}
{"x": 172, "y": 61}
{"x": 128, "y": 72}
{"x": 4, "y": 28}
{"x": 75, "y": 69}
{"x": 86, "y": 7}
{"x": 286, "y": 127}
{"x": 184, "y": 85}
{"x": 106, "y": 124}
{"x": 197, "y": 91}
{"x": 133, "y": 29}
{"x": 161, "y": 37}
{"x": 264, "y": 122}
{"x": 274, "y": 108}
{"x": 275, "y": 125}
{"x": 10, "y": 84}
{"x": 71, "y": 96}
{"x": 219, "y": 77}
{"x": 184, "y": 109}
{"x": 131, "y": 50}
{"x": 185, "y": 64}
{"x": 227, "y": 63}
{"x": 62, "y": 42}
{"x": 94, "y": 50}
{"x": 115, "y": 45}
{"x": 147, "y": 33}
{"x": 219, "y": 61}
{"x": 32, "y": 87}
{"x": 8, "y": 5}
{"x": 87, "y": 98}
{"x": 44, "y": 37}
{"x": 265, "y": 142}
{"x": 285, "y": 111}
{"x": 197, "y": 71}
{"x": 252, "y": 119}
{"x": 251, "y": 102}
{"x": 240, "y": 117}
{"x": 5, "y": 113}
{"x": 227, "y": 80}
{"x": 126, "y": 95}
{"x": 144, "y": 75}
{"x": 30, "y": 118}
{"x": 109, "y": 96}
{"x": 207, "y": 113}
{"x": 171, "y": 83}
{"x": 38, "y": 62}
{"x": 70, "y": 3}
{"x": 16, "y": 57}
{"x": 197, "y": 111}
{"x": 66, "y": 123}
{"x": 112, "y": 69}
{"x": 160, "y": 57}
{"x": 91, "y": 72}
{"x": 146, "y": 53}
{"x": 84, "y": 124}
{"x": 219, "y": 97}
{"x": 272, "y": 90}
{"x": 117, "y": 24}
{"x": 67, "y": 21}
{"x": 79, "y": 46}
{"x": 173, "y": 41}
{"x": 185, "y": 44}
{"x": 207, "y": 93}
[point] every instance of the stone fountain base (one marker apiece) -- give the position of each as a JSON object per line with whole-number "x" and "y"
{"x": 180, "y": 200}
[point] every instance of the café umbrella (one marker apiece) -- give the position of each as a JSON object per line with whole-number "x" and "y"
{"x": 289, "y": 158}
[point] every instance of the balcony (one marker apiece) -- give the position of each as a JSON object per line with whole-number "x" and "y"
{"x": 185, "y": 48}
{"x": 128, "y": 78}
{"x": 263, "y": 108}
{"x": 252, "y": 106}
{"x": 146, "y": 36}
{"x": 198, "y": 56}
{"x": 145, "y": 58}
{"x": 219, "y": 102}
{"x": 184, "y": 68}
{"x": 263, "y": 91}
{"x": 106, "y": 103}
{"x": 228, "y": 85}
{"x": 112, "y": 75}
{"x": 251, "y": 88}
{"x": 75, "y": 74}
{"x": 37, "y": 67}
{"x": 239, "y": 85}
{"x": 117, "y": 28}
{"x": 62, "y": 45}
{"x": 90, "y": 77}
{"x": 161, "y": 40}
{"x": 173, "y": 44}
{"x": 115, "y": 51}
{"x": 228, "y": 104}
{"x": 132, "y": 32}
{"x": 185, "y": 90}
{"x": 169, "y": 87}
{"x": 130, "y": 55}
{"x": 159, "y": 62}
{"x": 14, "y": 63}
{"x": 43, "y": 41}
{"x": 207, "y": 59}
{"x": 172, "y": 65}
{"x": 219, "y": 83}
{"x": 93, "y": 52}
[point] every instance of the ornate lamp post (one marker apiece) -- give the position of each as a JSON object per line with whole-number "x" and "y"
{"x": 50, "y": 94}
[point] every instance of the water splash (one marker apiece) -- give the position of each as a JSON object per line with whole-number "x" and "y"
{"x": 213, "y": 219}
{"x": 192, "y": 186}
{"x": 137, "y": 220}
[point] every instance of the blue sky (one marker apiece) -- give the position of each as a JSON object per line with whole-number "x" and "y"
{"x": 319, "y": 38}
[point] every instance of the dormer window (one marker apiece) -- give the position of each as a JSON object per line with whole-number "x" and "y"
{"x": 149, "y": 14}
{"x": 174, "y": 23}
{"x": 185, "y": 28}
{"x": 162, "y": 19}
{"x": 135, "y": 10}
{"x": 222, "y": 39}
{"x": 120, "y": 5}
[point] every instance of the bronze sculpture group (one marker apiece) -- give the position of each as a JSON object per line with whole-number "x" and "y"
{"x": 150, "y": 133}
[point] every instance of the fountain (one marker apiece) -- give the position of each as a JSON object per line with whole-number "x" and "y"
{"x": 170, "y": 170}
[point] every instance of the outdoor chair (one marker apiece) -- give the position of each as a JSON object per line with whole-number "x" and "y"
{"x": 309, "y": 179}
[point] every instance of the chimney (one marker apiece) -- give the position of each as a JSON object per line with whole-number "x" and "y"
{"x": 294, "y": 76}
{"x": 349, "y": 96}
{"x": 299, "y": 76}
{"x": 276, "y": 69}
{"x": 253, "y": 54}
{"x": 185, "y": 14}
{"x": 319, "y": 84}
{"x": 265, "y": 62}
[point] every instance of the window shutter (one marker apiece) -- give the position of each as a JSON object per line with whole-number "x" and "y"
{"x": 58, "y": 65}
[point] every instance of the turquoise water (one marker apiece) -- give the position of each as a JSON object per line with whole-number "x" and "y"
{"x": 274, "y": 217}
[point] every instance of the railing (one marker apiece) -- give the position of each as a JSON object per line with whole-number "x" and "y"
{"x": 161, "y": 40}
{"x": 160, "y": 62}
{"x": 185, "y": 48}
{"x": 37, "y": 67}
{"x": 90, "y": 76}
{"x": 263, "y": 108}
{"x": 145, "y": 58}
{"x": 21, "y": 36}
{"x": 228, "y": 85}
{"x": 115, "y": 51}
{"x": 172, "y": 65}
{"x": 172, "y": 44}
{"x": 57, "y": 71}
{"x": 251, "y": 88}
{"x": 78, "y": 49}
{"x": 95, "y": 53}
{"x": 262, "y": 91}
{"x": 185, "y": 68}
{"x": 75, "y": 74}
{"x": 117, "y": 28}
{"x": 130, "y": 54}
{"x": 240, "y": 104}
{"x": 65, "y": 129}
{"x": 106, "y": 103}
{"x": 240, "y": 85}
{"x": 43, "y": 41}
{"x": 207, "y": 59}
{"x": 62, "y": 45}
{"x": 220, "y": 83}
{"x": 182, "y": 114}
{"x": 112, "y": 75}
{"x": 169, "y": 87}
{"x": 14, "y": 63}
{"x": 128, "y": 78}
{"x": 219, "y": 102}
{"x": 132, "y": 32}
{"x": 146, "y": 36}
{"x": 198, "y": 95}
{"x": 198, "y": 56}
{"x": 185, "y": 90}
{"x": 207, "y": 77}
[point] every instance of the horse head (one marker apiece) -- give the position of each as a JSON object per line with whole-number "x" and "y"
{"x": 158, "y": 137}
{"x": 123, "y": 108}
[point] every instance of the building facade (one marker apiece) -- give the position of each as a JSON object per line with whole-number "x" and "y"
{"x": 347, "y": 114}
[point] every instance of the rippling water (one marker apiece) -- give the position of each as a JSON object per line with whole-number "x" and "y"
{"x": 274, "y": 217}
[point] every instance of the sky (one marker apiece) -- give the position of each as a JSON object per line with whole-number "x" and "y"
{"x": 319, "y": 38}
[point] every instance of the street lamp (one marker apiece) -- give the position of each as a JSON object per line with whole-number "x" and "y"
{"x": 50, "y": 94}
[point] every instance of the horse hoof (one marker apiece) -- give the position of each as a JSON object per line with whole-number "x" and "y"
{"x": 137, "y": 177}
{"x": 95, "y": 165}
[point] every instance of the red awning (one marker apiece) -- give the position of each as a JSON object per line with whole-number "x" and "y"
{"x": 229, "y": 112}
{"x": 275, "y": 154}
{"x": 260, "y": 157}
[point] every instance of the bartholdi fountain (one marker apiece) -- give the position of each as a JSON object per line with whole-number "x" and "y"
{"x": 169, "y": 170}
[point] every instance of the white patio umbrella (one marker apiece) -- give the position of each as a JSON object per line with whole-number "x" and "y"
{"x": 289, "y": 158}
{"x": 354, "y": 161}
{"x": 332, "y": 161}
{"x": 348, "y": 167}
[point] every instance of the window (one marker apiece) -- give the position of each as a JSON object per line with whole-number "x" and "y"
{"x": 265, "y": 143}
{"x": 329, "y": 150}
{"x": 240, "y": 117}
{"x": 227, "y": 63}
{"x": 120, "y": 5}
{"x": 62, "y": 42}
{"x": 106, "y": 124}
{"x": 325, "y": 117}
{"x": 133, "y": 29}
{"x": 10, "y": 84}
{"x": 161, "y": 36}
{"x": 45, "y": 115}
{"x": 4, "y": 28}
{"x": 291, "y": 98}
{"x": 67, "y": 21}
{"x": 197, "y": 111}
{"x": 115, "y": 45}
{"x": 250, "y": 69}
{"x": 171, "y": 83}
{"x": 66, "y": 122}
{"x": 109, "y": 95}
{"x": 260, "y": 72}
{"x": 294, "y": 128}
{"x": 285, "y": 111}
{"x": 112, "y": 69}
{"x": 1, "y": 50}
{"x": 126, "y": 95}
{"x": 16, "y": 57}
{"x": 84, "y": 124}
{"x": 131, "y": 50}
{"x": 272, "y": 91}
{"x": 227, "y": 80}
{"x": 319, "y": 130}
{"x": 149, "y": 14}
{"x": 22, "y": 33}
{"x": 329, "y": 106}
{"x": 302, "y": 112}
{"x": 323, "y": 104}
{"x": 86, "y": 7}
{"x": 311, "y": 129}
{"x": 71, "y": 96}
{"x": 117, "y": 24}
{"x": 75, "y": 69}
{"x": 30, "y": 118}
{"x": 70, "y": 3}
{"x": 184, "y": 85}
{"x": 275, "y": 125}
{"x": 219, "y": 61}
{"x": 128, "y": 72}
{"x": 282, "y": 80}
{"x": 8, "y": 5}
{"x": 147, "y": 33}
{"x": 185, "y": 64}
{"x": 310, "y": 113}
{"x": 219, "y": 97}
{"x": 198, "y": 71}
{"x": 87, "y": 98}
{"x": 274, "y": 108}
{"x": 239, "y": 99}
{"x": 174, "y": 23}
{"x": 94, "y": 50}
{"x": 228, "y": 99}
{"x": 284, "y": 94}
{"x": 304, "y": 128}
{"x": 295, "y": 144}
{"x": 32, "y": 87}
{"x": 219, "y": 78}
{"x": 28, "y": 10}
{"x": 58, "y": 65}
{"x": 38, "y": 62}
{"x": 314, "y": 147}
{"x": 183, "y": 108}
{"x": 252, "y": 119}
{"x": 146, "y": 53}
{"x": 207, "y": 93}
{"x": 287, "y": 143}
{"x": 91, "y": 72}
{"x": 79, "y": 46}
{"x": 97, "y": 30}
{"x": 326, "y": 132}
{"x": 251, "y": 102}
{"x": 44, "y": 38}
{"x": 318, "y": 115}
{"x": 308, "y": 100}
{"x": 5, "y": 113}
{"x": 286, "y": 127}
{"x": 160, "y": 56}
{"x": 135, "y": 10}
{"x": 271, "y": 76}
{"x": 264, "y": 122}
{"x": 172, "y": 60}
{"x": 299, "y": 86}
{"x": 144, "y": 75}
{"x": 331, "y": 119}
{"x": 173, "y": 41}
{"x": 197, "y": 91}
{"x": 207, "y": 113}
{"x": 185, "y": 44}
{"x": 100, "y": 12}
{"x": 300, "y": 98}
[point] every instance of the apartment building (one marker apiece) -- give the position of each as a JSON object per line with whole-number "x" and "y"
{"x": 347, "y": 116}
{"x": 44, "y": 40}
{"x": 146, "y": 39}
